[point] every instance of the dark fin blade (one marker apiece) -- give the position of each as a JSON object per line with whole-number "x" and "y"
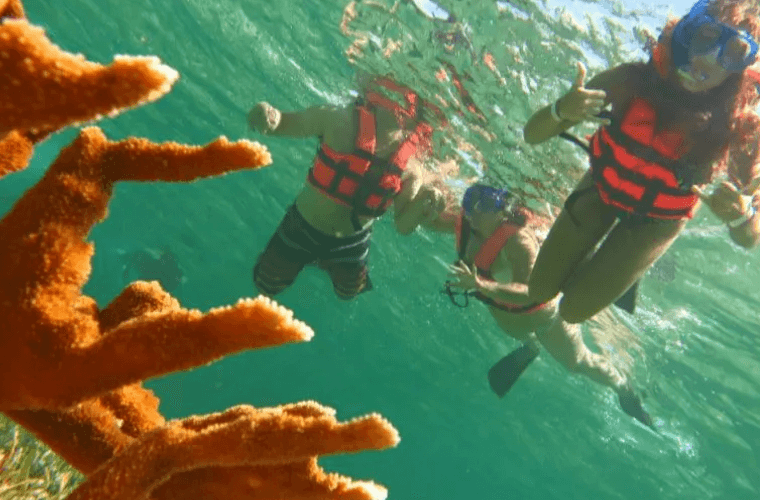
{"x": 631, "y": 404}
{"x": 628, "y": 301}
{"x": 503, "y": 375}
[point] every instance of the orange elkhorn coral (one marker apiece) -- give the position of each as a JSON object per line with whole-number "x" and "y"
{"x": 44, "y": 87}
{"x": 92, "y": 435}
{"x": 70, "y": 371}
{"x": 278, "y": 446}
{"x": 61, "y": 355}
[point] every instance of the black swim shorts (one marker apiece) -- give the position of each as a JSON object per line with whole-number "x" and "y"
{"x": 296, "y": 243}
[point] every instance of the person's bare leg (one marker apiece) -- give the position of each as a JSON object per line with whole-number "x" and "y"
{"x": 568, "y": 243}
{"x": 625, "y": 255}
{"x": 564, "y": 342}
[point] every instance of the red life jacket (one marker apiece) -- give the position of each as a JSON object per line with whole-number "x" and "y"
{"x": 640, "y": 171}
{"x": 360, "y": 179}
{"x": 484, "y": 259}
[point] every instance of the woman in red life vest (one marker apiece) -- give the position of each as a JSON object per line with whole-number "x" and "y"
{"x": 674, "y": 124}
{"x": 360, "y": 170}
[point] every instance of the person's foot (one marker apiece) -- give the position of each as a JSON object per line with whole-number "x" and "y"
{"x": 631, "y": 404}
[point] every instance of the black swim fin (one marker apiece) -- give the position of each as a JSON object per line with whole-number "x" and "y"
{"x": 503, "y": 375}
{"x": 627, "y": 302}
{"x": 631, "y": 404}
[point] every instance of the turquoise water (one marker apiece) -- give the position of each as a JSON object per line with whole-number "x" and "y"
{"x": 403, "y": 350}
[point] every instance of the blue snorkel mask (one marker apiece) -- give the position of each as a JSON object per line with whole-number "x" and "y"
{"x": 486, "y": 199}
{"x": 698, "y": 33}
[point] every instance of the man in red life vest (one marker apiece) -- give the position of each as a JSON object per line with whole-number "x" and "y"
{"x": 497, "y": 247}
{"x": 361, "y": 169}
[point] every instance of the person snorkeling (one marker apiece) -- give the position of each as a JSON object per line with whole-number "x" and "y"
{"x": 360, "y": 170}
{"x": 674, "y": 124}
{"x": 497, "y": 242}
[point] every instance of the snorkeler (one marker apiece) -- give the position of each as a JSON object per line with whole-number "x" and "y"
{"x": 359, "y": 172}
{"x": 674, "y": 123}
{"x": 497, "y": 244}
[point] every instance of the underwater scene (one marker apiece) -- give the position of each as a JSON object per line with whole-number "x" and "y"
{"x": 404, "y": 349}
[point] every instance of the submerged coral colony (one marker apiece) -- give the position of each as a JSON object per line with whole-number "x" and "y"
{"x": 71, "y": 372}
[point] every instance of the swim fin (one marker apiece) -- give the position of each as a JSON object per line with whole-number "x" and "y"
{"x": 631, "y": 404}
{"x": 503, "y": 375}
{"x": 627, "y": 302}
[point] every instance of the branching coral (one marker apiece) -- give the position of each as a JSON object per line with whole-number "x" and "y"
{"x": 74, "y": 372}
{"x": 15, "y": 152}
{"x": 45, "y": 87}
{"x": 11, "y": 8}
{"x": 239, "y": 436}
{"x": 66, "y": 357}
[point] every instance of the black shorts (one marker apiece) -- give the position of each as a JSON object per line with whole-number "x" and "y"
{"x": 296, "y": 243}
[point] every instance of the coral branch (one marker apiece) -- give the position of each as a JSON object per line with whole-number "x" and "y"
{"x": 46, "y": 262}
{"x": 15, "y": 152}
{"x": 296, "y": 481}
{"x": 91, "y": 432}
{"x": 11, "y": 8}
{"x": 45, "y": 87}
{"x": 156, "y": 344}
{"x": 70, "y": 371}
{"x": 140, "y": 160}
{"x": 240, "y": 436}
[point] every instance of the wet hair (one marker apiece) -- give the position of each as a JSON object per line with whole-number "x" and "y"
{"x": 720, "y": 122}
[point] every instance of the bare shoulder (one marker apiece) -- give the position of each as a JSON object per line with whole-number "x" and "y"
{"x": 340, "y": 128}
{"x": 523, "y": 241}
{"x": 521, "y": 251}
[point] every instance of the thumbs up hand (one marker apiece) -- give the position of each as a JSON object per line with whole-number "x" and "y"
{"x": 581, "y": 104}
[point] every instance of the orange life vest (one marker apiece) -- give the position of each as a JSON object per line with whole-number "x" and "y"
{"x": 360, "y": 179}
{"x": 484, "y": 259}
{"x": 639, "y": 170}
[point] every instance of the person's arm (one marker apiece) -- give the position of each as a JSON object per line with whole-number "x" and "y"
{"x": 745, "y": 229}
{"x": 738, "y": 209}
{"x": 520, "y": 251}
{"x": 581, "y": 103}
{"x": 312, "y": 122}
{"x": 417, "y": 203}
{"x": 747, "y": 233}
{"x": 446, "y": 222}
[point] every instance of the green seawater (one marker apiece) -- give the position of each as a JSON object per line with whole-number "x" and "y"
{"x": 403, "y": 350}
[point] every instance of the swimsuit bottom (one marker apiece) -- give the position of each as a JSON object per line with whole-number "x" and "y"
{"x": 296, "y": 244}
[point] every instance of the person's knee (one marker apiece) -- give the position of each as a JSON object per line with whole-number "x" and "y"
{"x": 348, "y": 280}
{"x": 350, "y": 291}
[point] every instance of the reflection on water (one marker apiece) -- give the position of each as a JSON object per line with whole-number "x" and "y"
{"x": 489, "y": 65}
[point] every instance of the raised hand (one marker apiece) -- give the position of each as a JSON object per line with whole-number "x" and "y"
{"x": 581, "y": 104}
{"x": 433, "y": 202}
{"x": 264, "y": 118}
{"x": 466, "y": 277}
